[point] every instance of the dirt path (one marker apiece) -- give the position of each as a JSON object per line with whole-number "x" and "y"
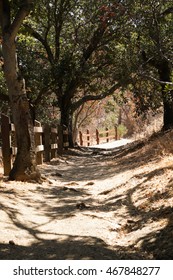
{"x": 96, "y": 204}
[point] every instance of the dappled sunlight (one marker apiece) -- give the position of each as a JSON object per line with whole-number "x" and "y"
{"x": 70, "y": 247}
{"x": 111, "y": 206}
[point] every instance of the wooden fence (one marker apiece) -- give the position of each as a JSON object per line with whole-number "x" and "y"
{"x": 47, "y": 142}
{"x": 88, "y": 138}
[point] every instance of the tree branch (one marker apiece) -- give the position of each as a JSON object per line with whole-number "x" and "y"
{"x": 20, "y": 16}
{"x": 86, "y": 98}
{"x": 167, "y": 12}
{"x": 156, "y": 80}
{"x": 9, "y": 27}
{"x": 44, "y": 91}
{"x": 5, "y": 15}
{"x": 94, "y": 41}
{"x": 88, "y": 113}
{"x": 43, "y": 41}
{"x": 58, "y": 17}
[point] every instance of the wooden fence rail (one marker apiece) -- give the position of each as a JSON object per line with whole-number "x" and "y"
{"x": 47, "y": 142}
{"x": 88, "y": 138}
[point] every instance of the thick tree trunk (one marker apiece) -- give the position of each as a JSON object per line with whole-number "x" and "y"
{"x": 167, "y": 96}
{"x": 66, "y": 122}
{"x": 168, "y": 111}
{"x": 64, "y": 103}
{"x": 24, "y": 167}
{"x": 70, "y": 132}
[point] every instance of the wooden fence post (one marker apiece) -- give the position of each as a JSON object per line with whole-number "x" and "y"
{"x": 88, "y": 138}
{"x": 47, "y": 145}
{"x": 80, "y": 138}
{"x": 6, "y": 144}
{"x": 107, "y": 134}
{"x": 38, "y": 142}
{"x": 116, "y": 133}
{"x": 54, "y": 142}
{"x": 97, "y": 137}
{"x": 49, "y": 138}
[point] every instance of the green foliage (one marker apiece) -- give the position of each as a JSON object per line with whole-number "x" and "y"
{"x": 72, "y": 49}
{"x": 36, "y": 72}
{"x": 3, "y": 88}
{"x": 111, "y": 113}
{"x": 148, "y": 48}
{"x": 79, "y": 39}
{"x": 122, "y": 130}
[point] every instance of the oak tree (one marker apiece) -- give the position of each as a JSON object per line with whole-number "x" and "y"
{"x": 79, "y": 38}
{"x": 12, "y": 16}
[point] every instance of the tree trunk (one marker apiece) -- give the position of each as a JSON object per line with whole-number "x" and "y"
{"x": 168, "y": 111}
{"x": 70, "y": 131}
{"x": 24, "y": 167}
{"x": 167, "y": 96}
{"x": 66, "y": 122}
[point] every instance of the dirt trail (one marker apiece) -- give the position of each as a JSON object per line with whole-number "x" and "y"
{"x": 96, "y": 204}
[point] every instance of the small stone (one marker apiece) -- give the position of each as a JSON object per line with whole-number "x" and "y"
{"x": 11, "y": 242}
{"x": 130, "y": 221}
{"x": 56, "y": 174}
{"x": 81, "y": 206}
{"x": 89, "y": 184}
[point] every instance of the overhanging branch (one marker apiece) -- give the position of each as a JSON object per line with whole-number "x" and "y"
{"x": 90, "y": 97}
{"x": 5, "y": 15}
{"x": 94, "y": 41}
{"x": 43, "y": 41}
{"x": 156, "y": 80}
{"x": 20, "y": 16}
{"x": 167, "y": 12}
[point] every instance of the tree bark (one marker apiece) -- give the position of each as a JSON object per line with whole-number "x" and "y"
{"x": 164, "y": 70}
{"x": 24, "y": 167}
{"x": 167, "y": 111}
{"x": 167, "y": 96}
{"x": 66, "y": 122}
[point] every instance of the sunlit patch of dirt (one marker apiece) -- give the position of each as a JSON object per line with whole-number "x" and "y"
{"x": 96, "y": 204}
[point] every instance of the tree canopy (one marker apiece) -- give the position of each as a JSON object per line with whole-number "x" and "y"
{"x": 94, "y": 47}
{"x": 79, "y": 39}
{"x": 73, "y": 51}
{"x": 151, "y": 49}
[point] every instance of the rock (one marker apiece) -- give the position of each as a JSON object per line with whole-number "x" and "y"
{"x": 56, "y": 174}
{"x": 81, "y": 206}
{"x": 89, "y": 184}
{"x": 11, "y": 242}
